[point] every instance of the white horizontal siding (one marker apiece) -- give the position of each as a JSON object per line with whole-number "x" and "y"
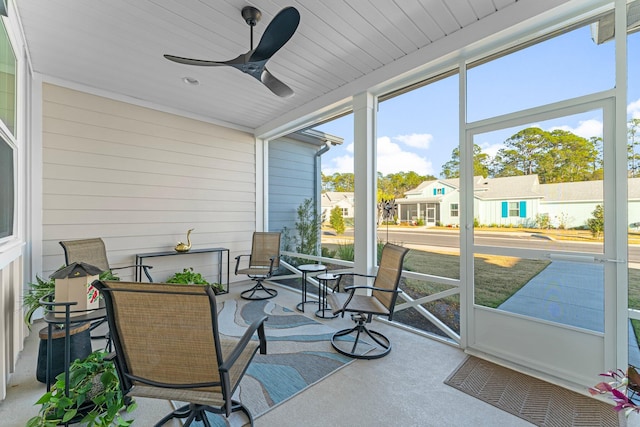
{"x": 139, "y": 179}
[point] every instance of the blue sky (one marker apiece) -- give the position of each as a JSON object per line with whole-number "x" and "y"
{"x": 418, "y": 130}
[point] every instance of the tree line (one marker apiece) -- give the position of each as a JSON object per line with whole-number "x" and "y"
{"x": 555, "y": 156}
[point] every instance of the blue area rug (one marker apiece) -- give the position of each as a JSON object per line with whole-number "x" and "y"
{"x": 299, "y": 355}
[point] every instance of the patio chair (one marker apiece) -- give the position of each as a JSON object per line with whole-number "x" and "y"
{"x": 381, "y": 302}
{"x": 94, "y": 252}
{"x": 264, "y": 260}
{"x": 633, "y": 386}
{"x": 167, "y": 346}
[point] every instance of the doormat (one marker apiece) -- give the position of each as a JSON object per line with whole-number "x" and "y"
{"x": 536, "y": 401}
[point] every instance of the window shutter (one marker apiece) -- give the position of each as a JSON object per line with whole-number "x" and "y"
{"x": 434, "y": 191}
{"x": 443, "y": 190}
{"x": 505, "y": 209}
{"x": 523, "y": 209}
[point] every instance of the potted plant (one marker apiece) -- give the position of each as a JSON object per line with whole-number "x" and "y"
{"x": 94, "y": 399}
{"x": 618, "y": 387}
{"x": 188, "y": 277}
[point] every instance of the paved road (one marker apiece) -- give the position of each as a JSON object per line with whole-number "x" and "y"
{"x": 450, "y": 239}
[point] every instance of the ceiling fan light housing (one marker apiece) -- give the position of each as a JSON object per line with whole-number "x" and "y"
{"x": 251, "y": 15}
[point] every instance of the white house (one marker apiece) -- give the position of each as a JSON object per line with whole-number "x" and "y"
{"x": 344, "y": 200}
{"x": 517, "y": 200}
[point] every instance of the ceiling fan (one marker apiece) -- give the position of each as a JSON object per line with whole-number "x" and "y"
{"x": 277, "y": 33}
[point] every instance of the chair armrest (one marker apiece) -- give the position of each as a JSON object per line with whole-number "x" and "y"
{"x": 238, "y": 259}
{"x": 373, "y": 288}
{"x": 337, "y": 285}
{"x": 145, "y": 269}
{"x": 258, "y": 325}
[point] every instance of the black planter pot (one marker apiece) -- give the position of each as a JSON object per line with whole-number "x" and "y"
{"x": 80, "y": 340}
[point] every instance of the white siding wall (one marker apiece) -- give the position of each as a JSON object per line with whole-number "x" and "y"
{"x": 489, "y": 212}
{"x": 139, "y": 178}
{"x": 574, "y": 214}
{"x": 445, "y": 208}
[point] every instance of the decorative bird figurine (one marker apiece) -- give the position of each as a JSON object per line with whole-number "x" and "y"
{"x": 184, "y": 247}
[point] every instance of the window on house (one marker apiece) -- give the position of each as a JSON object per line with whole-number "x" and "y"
{"x": 8, "y": 67}
{"x": 345, "y": 212}
{"x": 7, "y": 81}
{"x": 514, "y": 209}
{"x": 454, "y": 209}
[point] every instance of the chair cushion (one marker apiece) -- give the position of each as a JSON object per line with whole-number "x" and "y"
{"x": 255, "y": 271}
{"x": 211, "y": 395}
{"x": 359, "y": 304}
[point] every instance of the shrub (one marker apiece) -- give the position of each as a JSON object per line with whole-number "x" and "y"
{"x": 345, "y": 251}
{"x": 596, "y": 223}
{"x": 336, "y": 220}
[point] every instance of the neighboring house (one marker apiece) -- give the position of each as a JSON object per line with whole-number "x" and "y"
{"x": 518, "y": 200}
{"x": 344, "y": 200}
{"x": 500, "y": 201}
{"x": 572, "y": 203}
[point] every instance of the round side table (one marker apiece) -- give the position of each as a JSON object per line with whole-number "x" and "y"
{"x": 305, "y": 269}
{"x": 323, "y": 311}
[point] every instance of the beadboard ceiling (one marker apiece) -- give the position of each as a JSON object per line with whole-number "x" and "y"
{"x": 118, "y": 45}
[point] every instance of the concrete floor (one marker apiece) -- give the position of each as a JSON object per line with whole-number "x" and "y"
{"x": 404, "y": 388}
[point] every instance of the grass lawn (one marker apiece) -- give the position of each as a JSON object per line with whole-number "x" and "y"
{"x": 496, "y": 279}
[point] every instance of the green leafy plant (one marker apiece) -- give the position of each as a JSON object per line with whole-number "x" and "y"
{"x": 41, "y": 288}
{"x": 189, "y": 277}
{"x": 336, "y": 220}
{"x": 94, "y": 399}
{"x": 33, "y": 295}
{"x": 345, "y": 251}
{"x": 596, "y": 223}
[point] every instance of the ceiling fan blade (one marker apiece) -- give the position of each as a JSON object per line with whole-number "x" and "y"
{"x": 189, "y": 61}
{"x": 275, "y": 85}
{"x": 277, "y": 33}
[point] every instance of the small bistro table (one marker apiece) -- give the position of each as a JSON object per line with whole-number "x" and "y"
{"x": 305, "y": 269}
{"x": 323, "y": 309}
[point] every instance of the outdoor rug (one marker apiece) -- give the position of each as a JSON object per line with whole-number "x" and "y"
{"x": 299, "y": 354}
{"x": 531, "y": 399}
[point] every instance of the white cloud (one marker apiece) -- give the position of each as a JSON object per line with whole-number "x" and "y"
{"x": 391, "y": 159}
{"x": 491, "y": 149}
{"x": 585, "y": 128}
{"x": 633, "y": 109}
{"x": 416, "y": 140}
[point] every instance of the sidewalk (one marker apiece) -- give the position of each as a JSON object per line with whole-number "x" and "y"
{"x": 570, "y": 293}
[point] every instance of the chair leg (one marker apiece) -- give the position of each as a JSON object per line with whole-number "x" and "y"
{"x": 259, "y": 288}
{"x": 194, "y": 412}
{"x": 381, "y": 348}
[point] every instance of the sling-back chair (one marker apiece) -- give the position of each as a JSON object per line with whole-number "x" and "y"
{"x": 263, "y": 261}
{"x": 94, "y": 252}
{"x": 168, "y": 346}
{"x": 381, "y": 301}
{"x": 633, "y": 385}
